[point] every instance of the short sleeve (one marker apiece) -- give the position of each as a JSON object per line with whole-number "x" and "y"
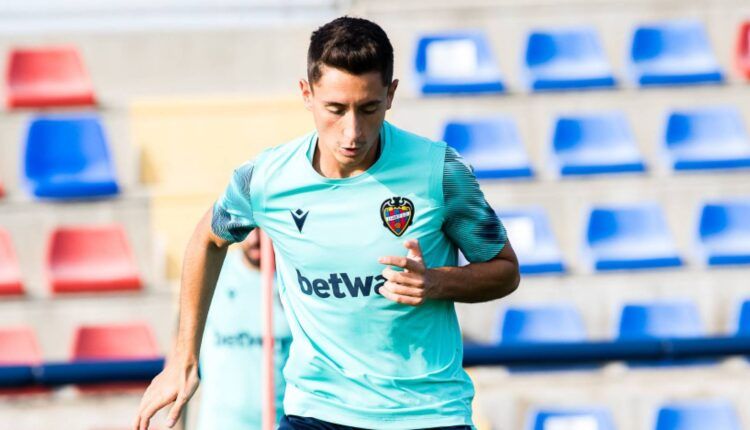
{"x": 470, "y": 222}
{"x": 232, "y": 217}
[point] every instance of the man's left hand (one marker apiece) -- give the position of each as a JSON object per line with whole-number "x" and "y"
{"x": 413, "y": 285}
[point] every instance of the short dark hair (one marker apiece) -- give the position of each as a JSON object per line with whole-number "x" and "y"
{"x": 355, "y": 45}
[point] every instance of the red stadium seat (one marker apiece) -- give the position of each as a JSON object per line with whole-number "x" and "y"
{"x": 743, "y": 50}
{"x": 91, "y": 259}
{"x": 44, "y": 77}
{"x": 10, "y": 273}
{"x": 114, "y": 342}
{"x": 19, "y": 347}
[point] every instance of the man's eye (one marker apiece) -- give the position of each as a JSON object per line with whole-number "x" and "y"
{"x": 370, "y": 111}
{"x": 336, "y": 111}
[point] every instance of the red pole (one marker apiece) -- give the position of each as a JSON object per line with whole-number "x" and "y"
{"x": 267, "y": 269}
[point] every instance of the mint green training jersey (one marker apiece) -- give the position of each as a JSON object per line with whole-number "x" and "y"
{"x": 357, "y": 358}
{"x": 231, "y": 352}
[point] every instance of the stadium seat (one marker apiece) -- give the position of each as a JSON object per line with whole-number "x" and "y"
{"x": 629, "y": 237}
{"x": 533, "y": 241}
{"x": 46, "y": 77}
{"x": 673, "y": 53}
{"x": 743, "y": 50}
{"x": 114, "y": 342}
{"x": 660, "y": 320}
{"x": 67, "y": 157}
{"x": 707, "y": 138}
{"x": 91, "y": 259}
{"x": 541, "y": 323}
{"x": 570, "y": 58}
{"x": 457, "y": 63}
{"x": 743, "y": 319}
{"x": 724, "y": 232}
{"x": 697, "y": 415}
{"x": 18, "y": 346}
{"x": 570, "y": 419}
{"x": 595, "y": 144}
{"x": 491, "y": 145}
{"x": 10, "y": 272}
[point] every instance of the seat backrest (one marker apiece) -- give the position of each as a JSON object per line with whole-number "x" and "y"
{"x": 114, "y": 342}
{"x": 542, "y": 323}
{"x": 660, "y": 320}
{"x": 18, "y": 346}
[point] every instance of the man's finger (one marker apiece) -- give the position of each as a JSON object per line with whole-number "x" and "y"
{"x": 176, "y": 410}
{"x": 405, "y": 300}
{"x": 403, "y": 262}
{"x": 403, "y": 290}
{"x": 415, "y": 251}
{"x": 151, "y": 409}
{"x": 404, "y": 278}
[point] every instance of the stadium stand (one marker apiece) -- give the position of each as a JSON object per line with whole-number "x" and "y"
{"x": 10, "y": 272}
{"x": 533, "y": 241}
{"x": 566, "y": 59}
{"x": 660, "y": 320}
{"x": 595, "y": 144}
{"x": 541, "y": 323}
{"x": 698, "y": 415}
{"x": 629, "y": 237}
{"x": 491, "y": 145}
{"x": 47, "y": 77}
{"x": 707, "y": 138}
{"x": 743, "y": 50}
{"x": 570, "y": 419}
{"x": 724, "y": 232}
{"x": 91, "y": 259}
{"x": 460, "y": 62}
{"x": 673, "y": 53}
{"x": 68, "y": 157}
{"x": 18, "y": 346}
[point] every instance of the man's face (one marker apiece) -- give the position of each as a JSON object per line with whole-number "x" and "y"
{"x": 251, "y": 247}
{"x": 348, "y": 111}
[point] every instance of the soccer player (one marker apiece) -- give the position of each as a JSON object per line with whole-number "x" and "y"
{"x": 366, "y": 220}
{"x": 231, "y": 352}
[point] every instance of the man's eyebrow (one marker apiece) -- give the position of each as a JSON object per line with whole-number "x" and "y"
{"x": 338, "y": 104}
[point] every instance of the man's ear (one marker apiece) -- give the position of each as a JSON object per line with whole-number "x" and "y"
{"x": 307, "y": 93}
{"x": 391, "y": 93}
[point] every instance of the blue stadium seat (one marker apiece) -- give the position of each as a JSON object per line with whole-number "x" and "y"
{"x": 660, "y": 320}
{"x": 67, "y": 157}
{"x": 449, "y": 63}
{"x": 533, "y": 240}
{"x": 630, "y": 237}
{"x": 491, "y": 145}
{"x": 724, "y": 232}
{"x": 570, "y": 58}
{"x": 698, "y": 415}
{"x": 570, "y": 419}
{"x": 673, "y": 53}
{"x": 595, "y": 144}
{"x": 707, "y": 138}
{"x": 743, "y": 319}
{"x": 542, "y": 323}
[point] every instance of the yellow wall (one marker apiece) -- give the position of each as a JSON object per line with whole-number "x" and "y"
{"x": 189, "y": 148}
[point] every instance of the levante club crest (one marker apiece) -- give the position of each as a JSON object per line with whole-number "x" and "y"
{"x": 397, "y": 214}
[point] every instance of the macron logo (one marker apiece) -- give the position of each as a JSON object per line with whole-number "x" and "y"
{"x": 299, "y": 218}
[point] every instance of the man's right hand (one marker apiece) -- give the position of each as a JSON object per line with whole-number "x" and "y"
{"x": 175, "y": 384}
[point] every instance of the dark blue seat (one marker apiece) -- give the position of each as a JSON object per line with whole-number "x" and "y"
{"x": 656, "y": 320}
{"x": 491, "y": 145}
{"x": 698, "y": 415}
{"x": 570, "y": 418}
{"x": 673, "y": 53}
{"x": 707, "y": 138}
{"x": 630, "y": 237}
{"x": 595, "y": 144}
{"x": 743, "y": 319}
{"x": 569, "y": 58}
{"x": 724, "y": 232}
{"x": 67, "y": 157}
{"x": 542, "y": 323}
{"x": 448, "y": 63}
{"x": 533, "y": 241}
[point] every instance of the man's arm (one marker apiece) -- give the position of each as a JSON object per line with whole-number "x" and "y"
{"x": 178, "y": 381}
{"x": 474, "y": 283}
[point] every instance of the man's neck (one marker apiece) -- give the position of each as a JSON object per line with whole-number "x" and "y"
{"x": 328, "y": 167}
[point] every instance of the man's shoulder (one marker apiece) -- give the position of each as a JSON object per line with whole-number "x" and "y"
{"x": 281, "y": 153}
{"x": 411, "y": 139}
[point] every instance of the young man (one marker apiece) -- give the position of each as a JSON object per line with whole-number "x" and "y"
{"x": 366, "y": 221}
{"x": 231, "y": 350}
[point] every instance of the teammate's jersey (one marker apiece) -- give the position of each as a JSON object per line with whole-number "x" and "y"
{"x": 358, "y": 358}
{"x": 231, "y": 351}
